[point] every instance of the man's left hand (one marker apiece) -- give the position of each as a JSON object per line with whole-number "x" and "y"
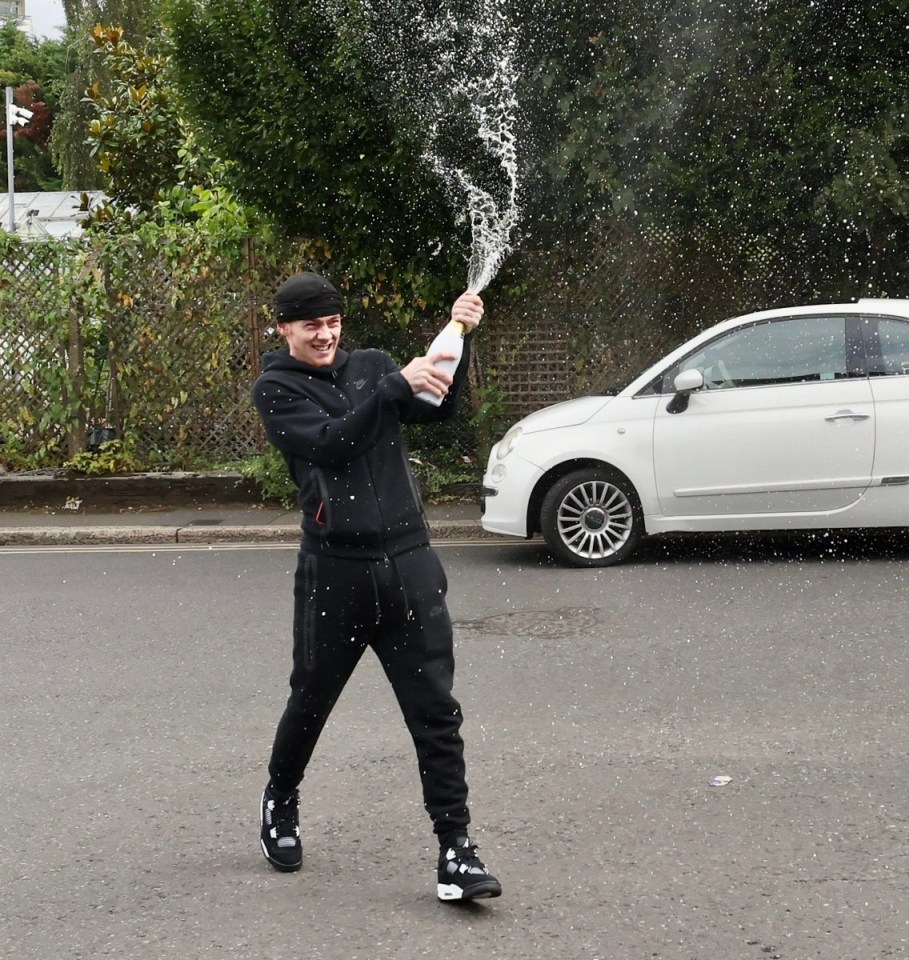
{"x": 468, "y": 310}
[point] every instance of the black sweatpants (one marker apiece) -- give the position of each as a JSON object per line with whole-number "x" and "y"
{"x": 396, "y": 606}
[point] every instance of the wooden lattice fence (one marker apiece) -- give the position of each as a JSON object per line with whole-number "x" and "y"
{"x": 596, "y": 317}
{"x": 163, "y": 348}
{"x": 37, "y": 334}
{"x": 134, "y": 347}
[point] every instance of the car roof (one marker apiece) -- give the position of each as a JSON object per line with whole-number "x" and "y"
{"x": 882, "y": 305}
{"x": 865, "y": 305}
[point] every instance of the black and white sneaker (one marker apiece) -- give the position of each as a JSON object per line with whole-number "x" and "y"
{"x": 463, "y": 875}
{"x": 280, "y": 835}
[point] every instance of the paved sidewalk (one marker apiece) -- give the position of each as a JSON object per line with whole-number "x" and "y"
{"x": 211, "y": 523}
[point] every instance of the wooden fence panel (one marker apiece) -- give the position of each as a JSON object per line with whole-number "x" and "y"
{"x": 169, "y": 360}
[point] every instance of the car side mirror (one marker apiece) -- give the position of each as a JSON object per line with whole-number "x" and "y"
{"x": 685, "y": 384}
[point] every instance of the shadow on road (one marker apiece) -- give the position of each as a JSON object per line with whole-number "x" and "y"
{"x": 818, "y": 546}
{"x": 822, "y": 546}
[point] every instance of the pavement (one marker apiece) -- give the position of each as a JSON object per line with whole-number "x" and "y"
{"x": 136, "y": 514}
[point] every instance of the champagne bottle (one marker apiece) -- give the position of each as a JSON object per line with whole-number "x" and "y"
{"x": 449, "y": 340}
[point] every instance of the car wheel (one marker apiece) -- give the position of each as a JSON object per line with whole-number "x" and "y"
{"x": 591, "y": 518}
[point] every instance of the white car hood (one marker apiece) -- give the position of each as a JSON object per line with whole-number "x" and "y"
{"x": 567, "y": 414}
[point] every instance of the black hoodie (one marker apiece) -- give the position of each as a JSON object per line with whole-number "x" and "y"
{"x": 338, "y": 428}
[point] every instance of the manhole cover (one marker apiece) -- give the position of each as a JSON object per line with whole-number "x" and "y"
{"x": 556, "y": 624}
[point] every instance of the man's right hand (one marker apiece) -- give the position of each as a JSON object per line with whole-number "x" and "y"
{"x": 423, "y": 374}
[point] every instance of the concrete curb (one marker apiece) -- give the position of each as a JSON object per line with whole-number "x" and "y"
{"x": 75, "y": 536}
{"x": 80, "y": 536}
{"x": 176, "y": 493}
{"x": 189, "y": 534}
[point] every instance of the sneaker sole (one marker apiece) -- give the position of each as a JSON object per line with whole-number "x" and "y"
{"x": 277, "y": 864}
{"x": 480, "y": 891}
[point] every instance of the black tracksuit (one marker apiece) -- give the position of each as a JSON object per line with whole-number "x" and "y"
{"x": 366, "y": 574}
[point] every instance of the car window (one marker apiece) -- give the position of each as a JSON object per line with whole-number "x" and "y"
{"x": 790, "y": 350}
{"x": 893, "y": 337}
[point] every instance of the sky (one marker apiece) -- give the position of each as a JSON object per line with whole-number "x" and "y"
{"x": 47, "y": 17}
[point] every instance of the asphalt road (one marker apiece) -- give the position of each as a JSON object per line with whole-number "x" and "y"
{"x": 141, "y": 687}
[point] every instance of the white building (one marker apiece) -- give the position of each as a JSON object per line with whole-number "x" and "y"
{"x": 51, "y": 213}
{"x": 15, "y": 10}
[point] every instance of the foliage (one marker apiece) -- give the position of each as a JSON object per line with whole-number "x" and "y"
{"x": 33, "y": 69}
{"x": 745, "y": 125}
{"x": 111, "y": 457}
{"x": 136, "y": 135}
{"x": 33, "y": 335}
{"x": 490, "y": 415}
{"x": 138, "y": 19}
{"x": 271, "y": 87}
{"x": 746, "y": 128}
{"x": 146, "y": 322}
{"x": 152, "y": 166}
{"x": 161, "y": 318}
{"x": 69, "y": 143}
{"x": 447, "y": 476}
{"x": 269, "y": 472}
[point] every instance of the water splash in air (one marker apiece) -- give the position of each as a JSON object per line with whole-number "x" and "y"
{"x": 485, "y": 82}
{"x": 456, "y": 77}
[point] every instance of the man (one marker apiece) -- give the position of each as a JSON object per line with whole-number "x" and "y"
{"x": 366, "y": 574}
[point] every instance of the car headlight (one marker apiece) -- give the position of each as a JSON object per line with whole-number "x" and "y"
{"x": 508, "y": 443}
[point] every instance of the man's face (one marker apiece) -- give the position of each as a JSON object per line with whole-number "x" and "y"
{"x": 314, "y": 342}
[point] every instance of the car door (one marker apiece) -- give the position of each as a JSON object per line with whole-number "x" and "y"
{"x": 784, "y": 423}
{"x": 887, "y": 346}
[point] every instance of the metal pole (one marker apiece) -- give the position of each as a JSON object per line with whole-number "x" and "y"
{"x": 11, "y": 192}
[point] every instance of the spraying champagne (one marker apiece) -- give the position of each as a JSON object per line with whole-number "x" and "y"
{"x": 454, "y": 76}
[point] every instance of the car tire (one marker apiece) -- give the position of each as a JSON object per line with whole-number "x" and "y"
{"x": 592, "y": 518}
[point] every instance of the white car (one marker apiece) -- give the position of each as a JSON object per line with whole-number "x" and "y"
{"x": 788, "y": 419}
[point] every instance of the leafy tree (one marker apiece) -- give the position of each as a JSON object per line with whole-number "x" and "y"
{"x": 273, "y": 87}
{"x": 775, "y": 124}
{"x": 71, "y": 151}
{"x": 34, "y": 70}
{"x": 69, "y": 144}
{"x": 137, "y": 133}
{"x": 750, "y": 126}
{"x": 152, "y": 168}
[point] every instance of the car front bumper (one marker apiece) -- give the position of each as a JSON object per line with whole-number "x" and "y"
{"x": 505, "y": 495}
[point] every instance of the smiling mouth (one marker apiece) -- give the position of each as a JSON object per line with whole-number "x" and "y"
{"x": 324, "y": 349}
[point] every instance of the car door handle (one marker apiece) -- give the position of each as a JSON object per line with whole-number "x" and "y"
{"x": 847, "y": 415}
